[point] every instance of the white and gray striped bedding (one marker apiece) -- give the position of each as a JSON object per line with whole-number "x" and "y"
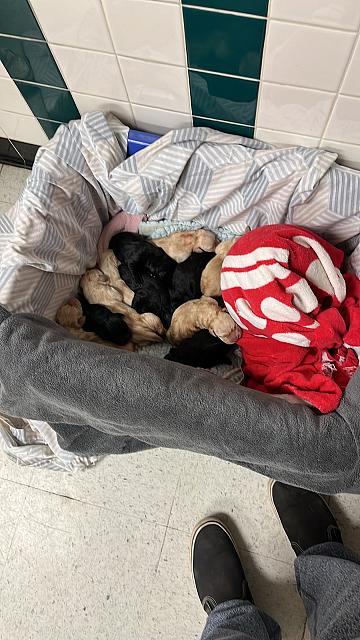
{"x": 82, "y": 177}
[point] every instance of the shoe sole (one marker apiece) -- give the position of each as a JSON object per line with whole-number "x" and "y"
{"x": 270, "y": 486}
{"x": 199, "y": 527}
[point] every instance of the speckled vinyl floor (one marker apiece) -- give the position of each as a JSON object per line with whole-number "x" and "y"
{"x": 104, "y": 555}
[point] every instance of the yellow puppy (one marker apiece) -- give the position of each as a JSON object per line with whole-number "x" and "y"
{"x": 108, "y": 264}
{"x": 180, "y": 244}
{"x": 210, "y": 277}
{"x": 145, "y": 327}
{"x": 203, "y": 313}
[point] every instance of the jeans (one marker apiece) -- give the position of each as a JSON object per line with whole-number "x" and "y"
{"x": 328, "y": 581}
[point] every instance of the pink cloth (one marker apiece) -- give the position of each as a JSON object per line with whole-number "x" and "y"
{"x": 120, "y": 222}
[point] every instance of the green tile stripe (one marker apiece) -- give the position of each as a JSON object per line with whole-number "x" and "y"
{"x": 17, "y": 19}
{"x": 224, "y": 54}
{"x": 226, "y": 127}
{"x": 29, "y": 61}
{"x": 254, "y": 7}
{"x": 222, "y": 98}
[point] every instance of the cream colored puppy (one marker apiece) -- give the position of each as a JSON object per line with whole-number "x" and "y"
{"x": 210, "y": 277}
{"x": 180, "y": 244}
{"x": 203, "y": 313}
{"x": 108, "y": 264}
{"x": 145, "y": 327}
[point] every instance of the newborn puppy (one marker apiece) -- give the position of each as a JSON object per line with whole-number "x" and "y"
{"x": 106, "y": 324}
{"x": 70, "y": 315}
{"x": 109, "y": 265}
{"x": 180, "y": 244}
{"x": 146, "y": 327}
{"x": 186, "y": 278}
{"x": 201, "y": 350}
{"x": 202, "y": 314}
{"x": 210, "y": 277}
{"x": 153, "y": 296}
{"x": 137, "y": 255}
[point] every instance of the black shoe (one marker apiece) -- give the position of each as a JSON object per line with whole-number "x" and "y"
{"x": 216, "y": 566}
{"x": 305, "y": 516}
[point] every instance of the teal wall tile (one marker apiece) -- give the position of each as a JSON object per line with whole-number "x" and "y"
{"x": 223, "y": 42}
{"x": 17, "y": 19}
{"x": 52, "y": 104}
{"x": 29, "y": 60}
{"x": 50, "y": 128}
{"x": 222, "y": 98}
{"x": 256, "y": 7}
{"x": 226, "y": 127}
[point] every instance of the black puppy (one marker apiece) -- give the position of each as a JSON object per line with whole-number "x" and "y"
{"x": 138, "y": 256}
{"x": 201, "y": 350}
{"x": 106, "y": 324}
{"x": 186, "y": 278}
{"x": 153, "y": 296}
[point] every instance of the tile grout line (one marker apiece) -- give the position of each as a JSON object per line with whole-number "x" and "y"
{"x": 341, "y": 83}
{"x": 251, "y": 16}
{"x": 186, "y": 62}
{"x": 168, "y": 520}
{"x": 177, "y": 66}
{"x": 117, "y": 59}
{"x": 264, "y": 53}
{"x": 239, "y": 124}
{"x": 226, "y": 75}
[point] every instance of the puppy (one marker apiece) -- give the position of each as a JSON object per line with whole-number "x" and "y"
{"x": 153, "y": 296}
{"x": 145, "y": 328}
{"x": 70, "y": 315}
{"x": 204, "y": 313}
{"x": 137, "y": 255}
{"x": 180, "y": 244}
{"x": 201, "y": 350}
{"x": 106, "y": 324}
{"x": 210, "y": 277}
{"x": 186, "y": 278}
{"x": 108, "y": 264}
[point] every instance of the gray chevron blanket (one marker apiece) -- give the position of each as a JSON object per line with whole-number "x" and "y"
{"x": 82, "y": 177}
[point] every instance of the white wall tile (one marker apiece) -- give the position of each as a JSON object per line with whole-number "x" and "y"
{"x": 352, "y": 79}
{"x": 349, "y": 154}
{"x": 158, "y": 120}
{"x": 306, "y": 56}
{"x": 156, "y": 85}
{"x": 11, "y": 98}
{"x": 282, "y": 138}
{"x": 293, "y": 109}
{"x": 90, "y": 72}
{"x": 3, "y": 72}
{"x": 22, "y": 128}
{"x": 344, "y": 124}
{"x": 148, "y": 30}
{"x": 87, "y": 103}
{"x": 80, "y": 23}
{"x": 332, "y": 13}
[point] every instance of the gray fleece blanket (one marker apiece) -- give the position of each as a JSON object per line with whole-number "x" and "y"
{"x": 92, "y": 394}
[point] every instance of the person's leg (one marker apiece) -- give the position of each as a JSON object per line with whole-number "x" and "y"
{"x": 327, "y": 574}
{"x": 223, "y": 590}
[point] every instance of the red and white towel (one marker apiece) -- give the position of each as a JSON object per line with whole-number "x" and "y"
{"x": 299, "y": 314}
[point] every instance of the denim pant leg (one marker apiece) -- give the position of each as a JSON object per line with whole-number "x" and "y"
{"x": 328, "y": 580}
{"x": 240, "y": 620}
